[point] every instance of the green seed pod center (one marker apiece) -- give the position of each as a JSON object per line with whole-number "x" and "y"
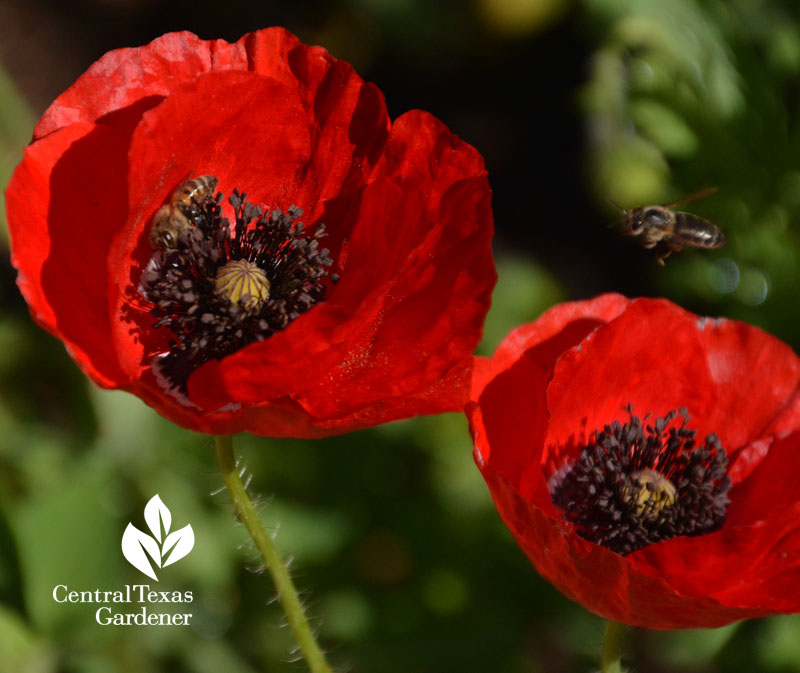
{"x": 655, "y": 492}
{"x": 244, "y": 283}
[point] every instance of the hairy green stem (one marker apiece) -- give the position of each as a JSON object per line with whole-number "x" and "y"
{"x": 277, "y": 568}
{"x": 611, "y": 656}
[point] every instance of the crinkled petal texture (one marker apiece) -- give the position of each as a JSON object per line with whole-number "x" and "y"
{"x": 406, "y": 206}
{"x": 553, "y": 382}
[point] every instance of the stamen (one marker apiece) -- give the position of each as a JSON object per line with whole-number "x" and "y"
{"x": 634, "y": 485}
{"x": 219, "y": 288}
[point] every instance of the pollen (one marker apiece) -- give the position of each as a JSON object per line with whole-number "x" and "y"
{"x": 635, "y": 484}
{"x": 242, "y": 282}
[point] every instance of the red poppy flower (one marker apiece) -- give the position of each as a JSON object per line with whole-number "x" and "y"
{"x": 224, "y": 313}
{"x": 645, "y": 459}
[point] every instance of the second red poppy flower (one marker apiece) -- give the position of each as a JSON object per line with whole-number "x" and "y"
{"x": 645, "y": 459}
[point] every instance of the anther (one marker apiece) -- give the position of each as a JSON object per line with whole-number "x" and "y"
{"x": 634, "y": 485}
{"x": 220, "y": 287}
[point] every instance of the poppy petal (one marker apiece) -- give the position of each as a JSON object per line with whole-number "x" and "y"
{"x": 60, "y": 230}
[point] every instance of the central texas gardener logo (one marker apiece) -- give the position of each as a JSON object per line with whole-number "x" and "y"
{"x": 163, "y": 547}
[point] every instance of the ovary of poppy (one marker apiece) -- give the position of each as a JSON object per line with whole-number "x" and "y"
{"x": 548, "y": 400}
{"x": 407, "y": 227}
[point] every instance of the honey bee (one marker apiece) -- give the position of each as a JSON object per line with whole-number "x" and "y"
{"x": 172, "y": 217}
{"x": 667, "y": 231}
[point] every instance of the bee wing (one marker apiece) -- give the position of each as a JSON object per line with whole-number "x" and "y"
{"x": 694, "y": 196}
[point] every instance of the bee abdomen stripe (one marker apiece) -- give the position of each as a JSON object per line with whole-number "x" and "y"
{"x": 698, "y": 232}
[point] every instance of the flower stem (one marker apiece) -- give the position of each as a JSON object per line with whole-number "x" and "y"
{"x": 611, "y": 656}
{"x": 277, "y": 569}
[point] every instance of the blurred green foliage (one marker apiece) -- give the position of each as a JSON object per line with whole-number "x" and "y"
{"x": 684, "y": 94}
{"x": 406, "y": 565}
{"x": 16, "y": 126}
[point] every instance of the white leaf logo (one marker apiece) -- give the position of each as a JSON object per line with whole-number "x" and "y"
{"x": 156, "y": 514}
{"x": 175, "y": 545}
{"x": 183, "y": 540}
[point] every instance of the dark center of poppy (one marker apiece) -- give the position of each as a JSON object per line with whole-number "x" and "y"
{"x": 218, "y": 289}
{"x": 637, "y": 484}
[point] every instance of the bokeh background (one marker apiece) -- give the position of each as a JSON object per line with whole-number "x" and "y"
{"x": 404, "y": 561}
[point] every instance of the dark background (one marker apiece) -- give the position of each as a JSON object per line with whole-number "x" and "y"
{"x": 406, "y": 565}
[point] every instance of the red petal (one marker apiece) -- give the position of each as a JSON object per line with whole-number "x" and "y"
{"x": 772, "y": 484}
{"x": 124, "y": 78}
{"x": 512, "y": 385}
{"x": 65, "y": 202}
{"x": 649, "y": 356}
{"x": 755, "y": 376}
{"x": 578, "y": 318}
{"x": 419, "y": 351}
{"x": 133, "y": 74}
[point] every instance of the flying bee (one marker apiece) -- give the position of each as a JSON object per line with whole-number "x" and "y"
{"x": 173, "y": 217}
{"x": 667, "y": 231}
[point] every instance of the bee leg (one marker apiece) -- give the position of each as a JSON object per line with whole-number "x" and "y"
{"x": 663, "y": 251}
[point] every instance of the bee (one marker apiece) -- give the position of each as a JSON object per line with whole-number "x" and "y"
{"x": 172, "y": 217}
{"x": 667, "y": 231}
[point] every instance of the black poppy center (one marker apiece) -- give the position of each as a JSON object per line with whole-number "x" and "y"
{"x": 217, "y": 288}
{"x": 636, "y": 484}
